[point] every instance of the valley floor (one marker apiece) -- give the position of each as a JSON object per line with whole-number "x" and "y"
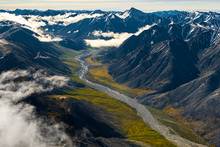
{"x": 141, "y": 110}
{"x": 123, "y": 117}
{"x": 133, "y": 122}
{"x": 98, "y": 72}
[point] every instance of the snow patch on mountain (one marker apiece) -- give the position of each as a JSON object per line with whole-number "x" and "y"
{"x": 123, "y": 15}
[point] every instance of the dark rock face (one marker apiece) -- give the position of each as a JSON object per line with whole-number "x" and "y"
{"x": 178, "y": 57}
{"x": 73, "y": 44}
{"x": 199, "y": 100}
{"x": 158, "y": 57}
{"x": 20, "y": 49}
{"x": 86, "y": 124}
{"x": 180, "y": 61}
{"x": 109, "y": 22}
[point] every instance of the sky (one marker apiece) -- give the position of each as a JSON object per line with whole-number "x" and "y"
{"x": 145, "y": 5}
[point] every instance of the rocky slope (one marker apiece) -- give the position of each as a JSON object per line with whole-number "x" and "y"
{"x": 174, "y": 53}
{"x": 20, "y": 49}
{"x": 85, "y": 129}
{"x": 179, "y": 61}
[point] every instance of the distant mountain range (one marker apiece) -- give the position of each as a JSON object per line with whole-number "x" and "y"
{"x": 76, "y": 26}
{"x": 174, "y": 53}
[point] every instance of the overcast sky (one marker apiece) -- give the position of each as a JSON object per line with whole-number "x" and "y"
{"x": 145, "y": 5}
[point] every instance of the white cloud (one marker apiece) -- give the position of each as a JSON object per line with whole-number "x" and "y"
{"x": 116, "y": 38}
{"x": 47, "y": 38}
{"x": 104, "y": 43}
{"x": 110, "y": 34}
{"x": 31, "y": 23}
{"x": 35, "y": 23}
{"x": 19, "y": 126}
{"x": 65, "y": 19}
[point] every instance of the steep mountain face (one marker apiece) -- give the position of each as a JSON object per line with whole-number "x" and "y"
{"x": 86, "y": 129}
{"x": 173, "y": 52}
{"x": 80, "y": 24}
{"x": 129, "y": 21}
{"x": 180, "y": 62}
{"x": 177, "y": 56}
{"x": 74, "y": 27}
{"x": 26, "y": 43}
{"x": 160, "y": 55}
{"x": 20, "y": 49}
{"x": 21, "y": 54}
{"x": 199, "y": 98}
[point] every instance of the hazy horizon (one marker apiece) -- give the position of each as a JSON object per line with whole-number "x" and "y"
{"x": 113, "y": 5}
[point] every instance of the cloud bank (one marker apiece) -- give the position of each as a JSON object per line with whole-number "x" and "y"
{"x": 116, "y": 38}
{"x": 30, "y": 23}
{"x": 66, "y": 19}
{"x": 19, "y": 126}
{"x": 36, "y": 23}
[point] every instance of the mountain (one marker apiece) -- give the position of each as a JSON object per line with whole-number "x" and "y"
{"x": 27, "y": 47}
{"x": 76, "y": 26}
{"x": 179, "y": 62}
{"x": 174, "y": 53}
{"x": 79, "y": 24}
{"x": 128, "y": 21}
{"x": 21, "y": 49}
{"x": 86, "y": 129}
{"x": 154, "y": 56}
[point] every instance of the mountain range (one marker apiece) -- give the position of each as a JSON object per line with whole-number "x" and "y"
{"x": 179, "y": 63}
{"x": 173, "y": 53}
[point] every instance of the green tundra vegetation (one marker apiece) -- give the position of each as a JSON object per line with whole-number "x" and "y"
{"x": 123, "y": 116}
{"x": 179, "y": 126}
{"x": 99, "y": 73}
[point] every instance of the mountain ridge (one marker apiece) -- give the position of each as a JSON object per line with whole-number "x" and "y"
{"x": 181, "y": 66}
{"x": 174, "y": 53}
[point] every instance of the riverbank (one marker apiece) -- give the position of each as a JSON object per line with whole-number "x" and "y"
{"x": 142, "y": 111}
{"x": 121, "y": 117}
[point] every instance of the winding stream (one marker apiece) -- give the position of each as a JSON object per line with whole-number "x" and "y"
{"x": 142, "y": 111}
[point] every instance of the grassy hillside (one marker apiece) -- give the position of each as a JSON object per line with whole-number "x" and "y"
{"x": 179, "y": 126}
{"x": 122, "y": 116}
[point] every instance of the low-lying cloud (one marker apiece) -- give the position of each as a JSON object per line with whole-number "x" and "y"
{"x": 36, "y": 23}
{"x": 116, "y": 38}
{"x": 65, "y": 19}
{"x": 30, "y": 23}
{"x": 19, "y": 126}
